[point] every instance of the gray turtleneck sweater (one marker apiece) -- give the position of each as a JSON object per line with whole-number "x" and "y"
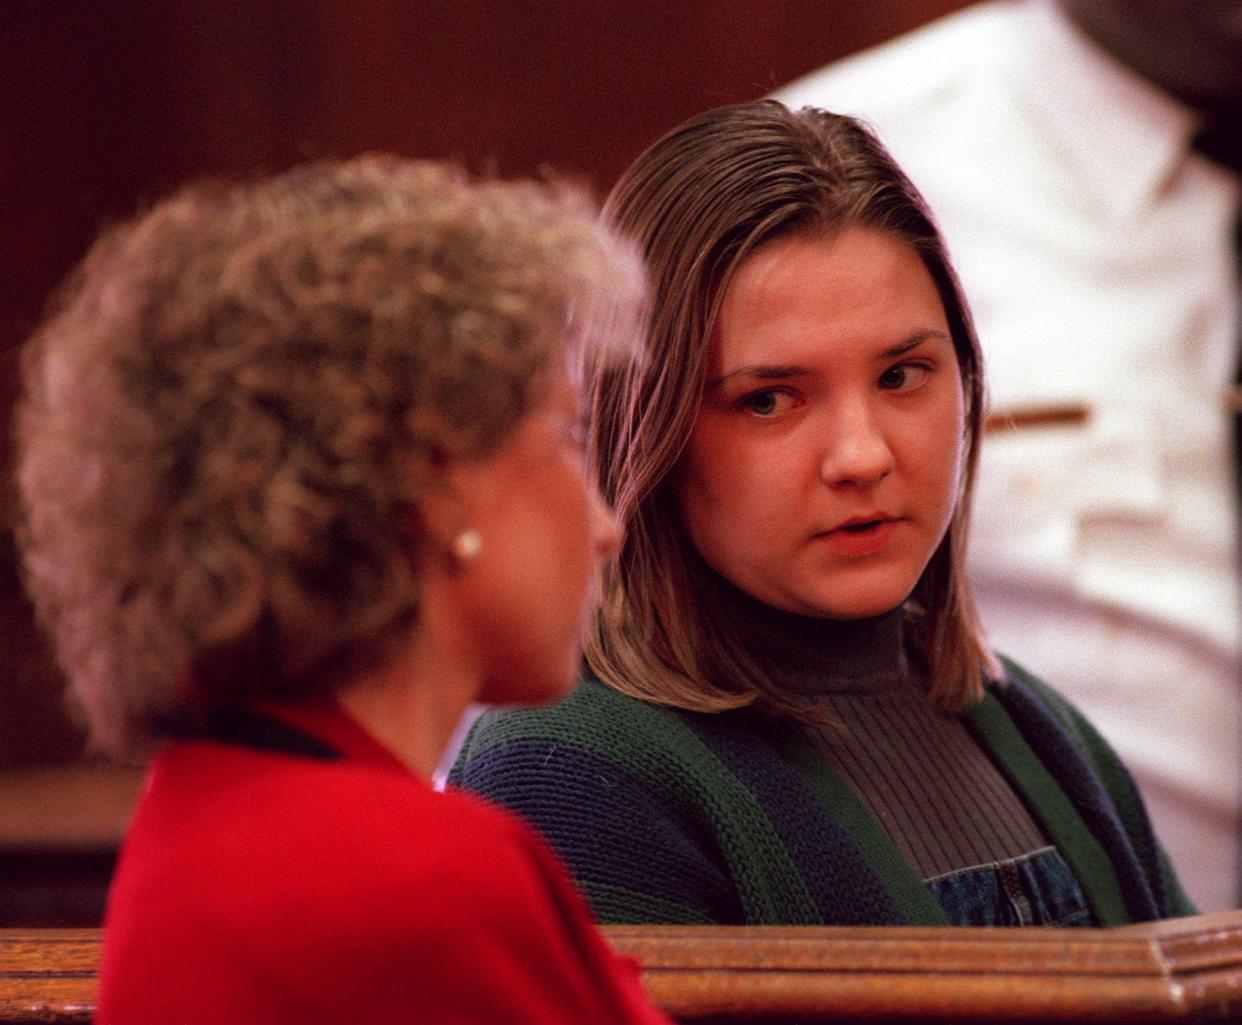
{"x": 903, "y": 816}
{"x": 920, "y": 772}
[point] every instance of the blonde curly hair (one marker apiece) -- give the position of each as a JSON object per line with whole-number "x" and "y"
{"x": 237, "y": 399}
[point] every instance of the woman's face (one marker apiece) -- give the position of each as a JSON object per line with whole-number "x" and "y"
{"x": 824, "y": 467}
{"x": 527, "y": 594}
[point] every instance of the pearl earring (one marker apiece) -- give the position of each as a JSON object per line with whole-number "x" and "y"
{"x": 467, "y": 545}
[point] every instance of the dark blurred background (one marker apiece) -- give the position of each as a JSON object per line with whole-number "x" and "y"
{"x": 105, "y": 106}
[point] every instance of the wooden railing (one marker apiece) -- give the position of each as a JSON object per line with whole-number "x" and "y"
{"x": 48, "y": 975}
{"x": 1187, "y": 970}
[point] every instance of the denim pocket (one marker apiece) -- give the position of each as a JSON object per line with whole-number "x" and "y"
{"x": 1034, "y": 889}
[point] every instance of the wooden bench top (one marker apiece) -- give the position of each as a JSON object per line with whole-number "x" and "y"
{"x": 1187, "y": 970}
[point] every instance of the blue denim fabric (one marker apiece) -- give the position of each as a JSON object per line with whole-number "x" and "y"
{"x": 1035, "y": 889}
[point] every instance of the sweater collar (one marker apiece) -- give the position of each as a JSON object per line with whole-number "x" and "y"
{"x": 324, "y": 719}
{"x": 813, "y": 656}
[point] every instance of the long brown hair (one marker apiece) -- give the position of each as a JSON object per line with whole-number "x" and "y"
{"x": 698, "y": 203}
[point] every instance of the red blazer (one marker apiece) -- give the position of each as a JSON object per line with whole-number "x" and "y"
{"x": 262, "y": 887}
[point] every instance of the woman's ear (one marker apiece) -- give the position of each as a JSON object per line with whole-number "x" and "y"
{"x": 447, "y": 509}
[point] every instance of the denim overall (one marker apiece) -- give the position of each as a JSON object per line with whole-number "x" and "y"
{"x": 1035, "y": 889}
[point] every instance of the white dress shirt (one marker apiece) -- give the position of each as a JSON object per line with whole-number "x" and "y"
{"x": 1095, "y": 250}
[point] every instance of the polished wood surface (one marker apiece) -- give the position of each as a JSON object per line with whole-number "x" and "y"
{"x": 48, "y": 975}
{"x": 1187, "y": 970}
{"x": 1184, "y": 970}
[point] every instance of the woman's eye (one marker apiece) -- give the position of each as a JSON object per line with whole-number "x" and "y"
{"x": 904, "y": 376}
{"x": 767, "y": 403}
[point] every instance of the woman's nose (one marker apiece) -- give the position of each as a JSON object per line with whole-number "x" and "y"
{"x": 858, "y": 453}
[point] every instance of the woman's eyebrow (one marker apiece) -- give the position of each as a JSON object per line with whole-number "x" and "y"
{"x": 783, "y": 371}
{"x": 913, "y": 342}
{"x": 763, "y": 372}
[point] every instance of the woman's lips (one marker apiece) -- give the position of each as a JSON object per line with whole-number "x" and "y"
{"x": 860, "y": 538}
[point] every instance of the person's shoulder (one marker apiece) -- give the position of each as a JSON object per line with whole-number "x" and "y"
{"x": 1061, "y": 710}
{"x": 592, "y": 715}
{"x": 533, "y": 759}
{"x": 1048, "y": 696}
{"x": 258, "y": 816}
{"x": 495, "y": 924}
{"x": 376, "y": 837}
{"x": 885, "y": 80}
{"x": 343, "y": 892}
{"x": 427, "y": 839}
{"x": 482, "y": 882}
{"x": 474, "y": 848}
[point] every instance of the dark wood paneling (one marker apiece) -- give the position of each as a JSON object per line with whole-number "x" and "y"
{"x": 104, "y": 106}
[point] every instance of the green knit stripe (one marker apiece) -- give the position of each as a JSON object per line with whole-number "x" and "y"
{"x": 1117, "y": 781}
{"x": 619, "y": 905}
{"x": 1102, "y": 757}
{"x": 1178, "y": 900}
{"x": 654, "y": 744}
{"x": 1055, "y": 812}
{"x": 908, "y": 891}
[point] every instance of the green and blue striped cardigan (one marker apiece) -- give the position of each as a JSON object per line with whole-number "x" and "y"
{"x": 666, "y": 816}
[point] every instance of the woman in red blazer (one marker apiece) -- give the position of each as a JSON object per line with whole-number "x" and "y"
{"x": 301, "y": 478}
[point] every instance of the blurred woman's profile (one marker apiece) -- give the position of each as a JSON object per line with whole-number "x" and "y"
{"x": 302, "y": 476}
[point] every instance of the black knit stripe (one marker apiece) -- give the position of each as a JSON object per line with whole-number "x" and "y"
{"x": 697, "y": 788}
{"x": 1057, "y": 750}
{"x": 629, "y": 842}
{"x": 617, "y": 905}
{"x": 844, "y": 887}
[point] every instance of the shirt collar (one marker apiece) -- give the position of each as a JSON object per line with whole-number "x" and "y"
{"x": 1123, "y": 135}
{"x": 325, "y": 719}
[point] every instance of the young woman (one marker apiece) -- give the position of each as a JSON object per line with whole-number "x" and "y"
{"x": 792, "y": 716}
{"x": 301, "y": 478}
